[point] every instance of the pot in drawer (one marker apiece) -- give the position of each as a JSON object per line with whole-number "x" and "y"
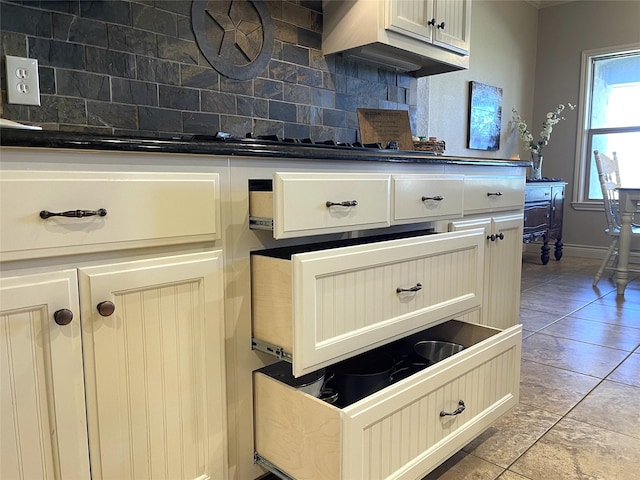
{"x": 316, "y": 308}
{"x": 439, "y": 410}
{"x": 360, "y": 376}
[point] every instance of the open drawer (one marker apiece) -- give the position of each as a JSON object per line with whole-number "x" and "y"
{"x": 302, "y": 204}
{"x": 399, "y": 431}
{"x": 318, "y": 304}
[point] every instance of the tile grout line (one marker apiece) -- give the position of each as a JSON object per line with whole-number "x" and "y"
{"x": 564, "y": 416}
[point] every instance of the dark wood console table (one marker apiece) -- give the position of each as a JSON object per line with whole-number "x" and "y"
{"x": 543, "y": 202}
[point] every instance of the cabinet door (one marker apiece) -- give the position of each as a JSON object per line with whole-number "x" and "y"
{"x": 505, "y": 265}
{"x": 43, "y": 430}
{"x": 155, "y": 386}
{"x": 410, "y": 18}
{"x": 456, "y": 16}
{"x": 501, "y": 305}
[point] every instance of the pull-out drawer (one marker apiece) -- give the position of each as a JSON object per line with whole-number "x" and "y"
{"x": 318, "y": 307}
{"x": 424, "y": 198}
{"x": 493, "y": 194}
{"x": 399, "y": 431}
{"x": 302, "y": 204}
{"x": 104, "y": 211}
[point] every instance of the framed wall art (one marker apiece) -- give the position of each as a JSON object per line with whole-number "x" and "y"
{"x": 485, "y": 116}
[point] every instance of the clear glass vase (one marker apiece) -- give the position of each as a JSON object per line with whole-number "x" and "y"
{"x": 536, "y": 166}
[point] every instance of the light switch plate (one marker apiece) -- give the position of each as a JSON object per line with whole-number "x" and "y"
{"x": 23, "y": 84}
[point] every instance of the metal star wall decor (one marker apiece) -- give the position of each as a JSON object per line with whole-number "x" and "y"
{"x": 235, "y": 36}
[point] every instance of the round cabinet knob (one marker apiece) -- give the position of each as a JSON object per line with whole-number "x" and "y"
{"x": 63, "y": 316}
{"x": 106, "y": 308}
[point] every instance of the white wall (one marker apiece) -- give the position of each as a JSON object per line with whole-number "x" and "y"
{"x": 564, "y": 32}
{"x": 503, "y": 52}
{"x": 534, "y": 56}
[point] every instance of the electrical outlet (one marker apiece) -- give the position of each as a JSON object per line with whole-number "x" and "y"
{"x": 23, "y": 84}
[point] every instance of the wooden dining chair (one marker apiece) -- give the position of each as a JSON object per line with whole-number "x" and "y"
{"x": 609, "y": 176}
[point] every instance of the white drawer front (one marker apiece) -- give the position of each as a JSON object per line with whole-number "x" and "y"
{"x": 397, "y": 432}
{"x": 426, "y": 197}
{"x": 346, "y": 299}
{"x": 142, "y": 209}
{"x": 400, "y": 434}
{"x": 492, "y": 194}
{"x": 300, "y": 203}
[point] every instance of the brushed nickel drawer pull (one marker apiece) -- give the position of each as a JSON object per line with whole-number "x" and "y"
{"x": 437, "y": 198}
{"x": 346, "y": 203}
{"x": 412, "y": 289}
{"x": 457, "y": 411}
{"x": 494, "y": 194}
{"x": 74, "y": 213}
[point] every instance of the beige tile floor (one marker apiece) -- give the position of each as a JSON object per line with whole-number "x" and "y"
{"x": 579, "y": 411}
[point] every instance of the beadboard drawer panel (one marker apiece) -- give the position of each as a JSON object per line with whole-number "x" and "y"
{"x": 493, "y": 193}
{"x": 423, "y": 198}
{"x": 328, "y": 305}
{"x": 142, "y": 209}
{"x": 301, "y": 203}
{"x": 396, "y": 432}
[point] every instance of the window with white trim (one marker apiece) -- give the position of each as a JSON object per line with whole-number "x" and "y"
{"x": 609, "y": 117}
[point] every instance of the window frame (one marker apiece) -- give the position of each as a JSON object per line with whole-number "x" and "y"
{"x": 580, "y": 200}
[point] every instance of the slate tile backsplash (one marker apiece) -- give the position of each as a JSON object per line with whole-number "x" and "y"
{"x": 134, "y": 68}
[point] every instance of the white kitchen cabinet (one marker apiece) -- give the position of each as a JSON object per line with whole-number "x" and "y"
{"x": 154, "y": 367}
{"x": 445, "y": 23}
{"x": 153, "y": 371}
{"x": 43, "y": 431}
{"x": 112, "y": 323}
{"x": 503, "y": 241}
{"x": 421, "y": 36}
{"x": 316, "y": 305}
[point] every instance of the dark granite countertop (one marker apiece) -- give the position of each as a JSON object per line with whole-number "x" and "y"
{"x": 231, "y": 148}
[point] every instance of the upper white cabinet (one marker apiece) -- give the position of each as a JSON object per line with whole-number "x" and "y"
{"x": 422, "y": 36}
{"x": 446, "y": 23}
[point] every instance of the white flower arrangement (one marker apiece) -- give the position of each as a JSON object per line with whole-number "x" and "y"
{"x": 551, "y": 119}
